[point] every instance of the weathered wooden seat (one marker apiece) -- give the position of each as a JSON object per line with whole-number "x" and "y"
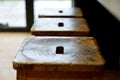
{"x": 59, "y": 58}
{"x": 60, "y": 12}
{"x": 60, "y": 27}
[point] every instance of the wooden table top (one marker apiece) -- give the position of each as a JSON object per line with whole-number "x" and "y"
{"x": 76, "y": 51}
{"x": 60, "y": 27}
{"x": 60, "y": 12}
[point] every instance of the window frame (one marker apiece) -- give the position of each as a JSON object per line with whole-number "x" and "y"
{"x": 29, "y": 11}
{"x": 29, "y": 19}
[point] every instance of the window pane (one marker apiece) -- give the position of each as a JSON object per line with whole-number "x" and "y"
{"x": 50, "y": 4}
{"x": 12, "y": 13}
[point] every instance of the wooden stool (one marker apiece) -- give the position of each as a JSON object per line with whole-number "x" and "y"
{"x": 59, "y": 58}
{"x": 60, "y": 27}
{"x": 60, "y": 12}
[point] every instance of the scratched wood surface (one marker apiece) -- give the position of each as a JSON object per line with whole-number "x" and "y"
{"x": 60, "y": 27}
{"x": 38, "y": 59}
{"x": 60, "y": 12}
{"x": 39, "y": 53}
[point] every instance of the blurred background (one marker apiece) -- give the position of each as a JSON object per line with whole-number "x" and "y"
{"x": 13, "y": 13}
{"x": 17, "y": 17}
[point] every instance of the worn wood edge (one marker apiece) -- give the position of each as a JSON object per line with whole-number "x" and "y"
{"x": 14, "y": 62}
{"x": 58, "y": 16}
{"x": 100, "y": 53}
{"x": 60, "y": 33}
{"x": 52, "y": 67}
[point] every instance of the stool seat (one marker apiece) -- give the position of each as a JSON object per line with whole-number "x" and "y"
{"x": 60, "y": 12}
{"x": 59, "y": 58}
{"x": 60, "y": 27}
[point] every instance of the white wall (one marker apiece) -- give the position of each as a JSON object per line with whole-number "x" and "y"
{"x": 113, "y": 6}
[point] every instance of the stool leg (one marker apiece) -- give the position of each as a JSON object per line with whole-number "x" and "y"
{"x": 97, "y": 76}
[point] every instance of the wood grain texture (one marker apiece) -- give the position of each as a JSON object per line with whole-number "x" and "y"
{"x": 60, "y": 27}
{"x": 46, "y": 75}
{"x": 58, "y": 75}
{"x": 60, "y": 12}
{"x": 21, "y": 75}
